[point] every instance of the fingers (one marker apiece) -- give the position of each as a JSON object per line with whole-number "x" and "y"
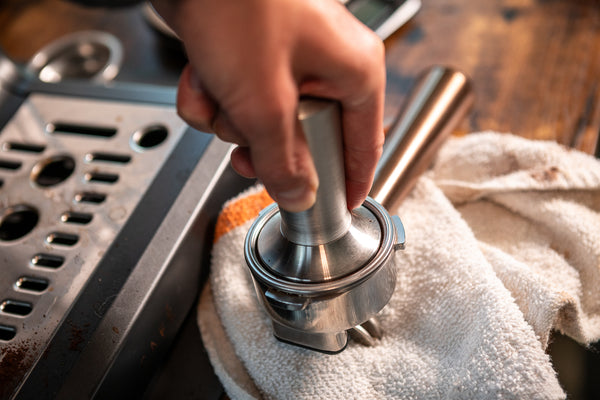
{"x": 199, "y": 110}
{"x": 253, "y": 73}
{"x": 278, "y": 153}
{"x": 360, "y": 164}
{"x": 360, "y": 87}
{"x": 242, "y": 163}
{"x": 362, "y": 121}
{"x": 193, "y": 103}
{"x": 296, "y": 194}
{"x": 271, "y": 147}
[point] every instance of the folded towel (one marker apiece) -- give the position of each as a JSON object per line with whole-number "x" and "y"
{"x": 503, "y": 246}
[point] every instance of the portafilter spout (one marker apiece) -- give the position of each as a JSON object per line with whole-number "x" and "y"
{"x": 326, "y": 271}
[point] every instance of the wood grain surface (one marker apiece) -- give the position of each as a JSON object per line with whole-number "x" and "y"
{"x": 535, "y": 64}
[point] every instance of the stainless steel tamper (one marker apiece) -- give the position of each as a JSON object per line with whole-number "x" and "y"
{"x": 324, "y": 273}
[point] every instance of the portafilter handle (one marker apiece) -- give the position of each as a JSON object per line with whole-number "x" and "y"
{"x": 434, "y": 108}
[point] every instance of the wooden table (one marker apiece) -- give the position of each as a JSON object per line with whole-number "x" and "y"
{"x": 535, "y": 64}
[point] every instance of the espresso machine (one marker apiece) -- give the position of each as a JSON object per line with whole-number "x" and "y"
{"x": 107, "y": 205}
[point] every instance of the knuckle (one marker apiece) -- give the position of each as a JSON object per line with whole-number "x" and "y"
{"x": 370, "y": 66}
{"x": 265, "y": 110}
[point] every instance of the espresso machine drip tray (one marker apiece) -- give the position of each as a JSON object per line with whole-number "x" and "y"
{"x": 107, "y": 201}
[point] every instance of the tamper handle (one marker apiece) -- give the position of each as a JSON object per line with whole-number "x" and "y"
{"x": 328, "y": 219}
{"x": 434, "y": 108}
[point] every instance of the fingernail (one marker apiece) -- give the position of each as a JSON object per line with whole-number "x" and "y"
{"x": 299, "y": 198}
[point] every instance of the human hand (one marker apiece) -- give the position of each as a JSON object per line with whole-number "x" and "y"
{"x": 251, "y": 60}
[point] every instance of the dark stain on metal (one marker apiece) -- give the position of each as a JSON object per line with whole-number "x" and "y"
{"x": 169, "y": 312}
{"x": 76, "y": 337}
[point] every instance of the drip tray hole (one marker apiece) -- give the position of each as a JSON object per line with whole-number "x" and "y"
{"x": 17, "y": 221}
{"x": 16, "y": 307}
{"x": 63, "y": 239}
{"x": 32, "y": 284}
{"x": 7, "y": 332}
{"x": 53, "y": 170}
{"x": 151, "y": 136}
{"x": 72, "y": 217}
{"x": 90, "y": 197}
{"x": 47, "y": 260}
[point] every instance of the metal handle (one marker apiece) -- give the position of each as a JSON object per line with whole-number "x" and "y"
{"x": 434, "y": 108}
{"x": 436, "y": 105}
{"x": 328, "y": 219}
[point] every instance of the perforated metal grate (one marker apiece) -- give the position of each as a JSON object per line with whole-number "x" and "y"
{"x": 72, "y": 171}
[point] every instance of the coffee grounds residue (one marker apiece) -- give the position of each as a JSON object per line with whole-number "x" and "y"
{"x": 15, "y": 361}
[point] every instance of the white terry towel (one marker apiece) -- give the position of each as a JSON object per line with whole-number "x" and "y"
{"x": 503, "y": 246}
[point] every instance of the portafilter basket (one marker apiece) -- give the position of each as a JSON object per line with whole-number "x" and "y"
{"x": 324, "y": 273}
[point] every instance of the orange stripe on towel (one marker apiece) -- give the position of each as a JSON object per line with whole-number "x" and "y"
{"x": 241, "y": 210}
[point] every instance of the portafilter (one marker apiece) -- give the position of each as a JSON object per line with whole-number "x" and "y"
{"x": 324, "y": 273}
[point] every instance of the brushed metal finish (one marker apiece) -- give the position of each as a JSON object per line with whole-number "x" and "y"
{"x": 317, "y": 314}
{"x": 329, "y": 218}
{"x": 79, "y": 260}
{"x": 110, "y": 292}
{"x": 162, "y": 284}
{"x": 14, "y": 78}
{"x": 319, "y": 278}
{"x": 331, "y": 306}
{"x": 439, "y": 101}
{"x": 389, "y": 242}
{"x": 327, "y": 342}
{"x": 89, "y": 55}
{"x": 326, "y": 241}
{"x": 320, "y": 262}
